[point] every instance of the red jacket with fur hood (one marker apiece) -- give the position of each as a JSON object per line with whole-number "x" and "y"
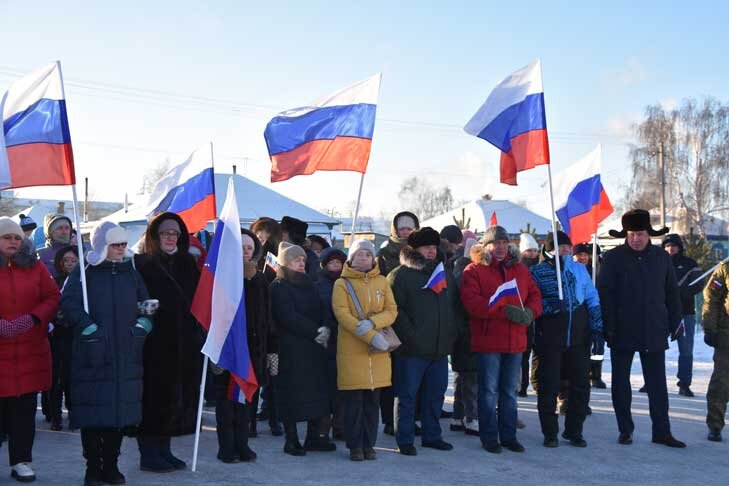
{"x": 491, "y": 331}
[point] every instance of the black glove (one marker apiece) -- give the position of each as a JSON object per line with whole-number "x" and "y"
{"x": 608, "y": 335}
{"x": 710, "y": 338}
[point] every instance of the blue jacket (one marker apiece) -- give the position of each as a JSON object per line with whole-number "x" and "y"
{"x": 574, "y": 318}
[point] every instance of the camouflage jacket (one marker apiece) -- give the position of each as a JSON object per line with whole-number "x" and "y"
{"x": 715, "y": 312}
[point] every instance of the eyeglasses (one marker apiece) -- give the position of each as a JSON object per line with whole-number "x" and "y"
{"x": 169, "y": 234}
{"x": 118, "y": 246}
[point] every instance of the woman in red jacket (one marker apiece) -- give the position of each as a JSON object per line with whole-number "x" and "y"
{"x": 500, "y": 317}
{"x": 28, "y": 301}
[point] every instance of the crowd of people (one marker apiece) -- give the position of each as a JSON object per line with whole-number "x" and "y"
{"x": 344, "y": 340}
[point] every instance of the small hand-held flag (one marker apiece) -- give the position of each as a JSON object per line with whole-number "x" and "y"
{"x": 514, "y": 121}
{"x": 272, "y": 261}
{"x": 504, "y": 290}
{"x": 333, "y": 133}
{"x": 219, "y": 303}
{"x": 187, "y": 189}
{"x": 35, "y": 142}
{"x": 580, "y": 199}
{"x": 437, "y": 281}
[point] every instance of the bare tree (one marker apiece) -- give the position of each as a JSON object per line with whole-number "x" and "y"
{"x": 152, "y": 175}
{"x": 695, "y": 141}
{"x": 426, "y": 200}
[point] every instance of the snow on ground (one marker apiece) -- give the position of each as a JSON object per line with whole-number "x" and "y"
{"x": 58, "y": 454}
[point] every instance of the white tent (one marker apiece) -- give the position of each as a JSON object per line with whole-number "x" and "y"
{"x": 512, "y": 217}
{"x": 254, "y": 201}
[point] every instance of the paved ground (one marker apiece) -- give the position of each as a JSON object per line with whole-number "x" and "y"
{"x": 58, "y": 454}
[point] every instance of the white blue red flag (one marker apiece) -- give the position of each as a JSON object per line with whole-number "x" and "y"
{"x": 219, "y": 303}
{"x": 187, "y": 189}
{"x": 580, "y": 198}
{"x": 514, "y": 121}
{"x": 437, "y": 281}
{"x": 504, "y": 290}
{"x": 333, "y": 133}
{"x": 272, "y": 261}
{"x": 35, "y": 142}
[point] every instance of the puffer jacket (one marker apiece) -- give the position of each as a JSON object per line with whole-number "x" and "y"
{"x": 491, "y": 331}
{"x": 26, "y": 287}
{"x": 715, "y": 311}
{"x": 357, "y": 368}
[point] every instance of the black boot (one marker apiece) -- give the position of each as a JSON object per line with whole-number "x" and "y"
{"x": 596, "y": 378}
{"x": 316, "y": 440}
{"x": 91, "y": 443}
{"x": 111, "y": 447}
{"x": 166, "y": 453}
{"x": 242, "y": 425}
{"x": 292, "y": 445}
{"x": 150, "y": 458}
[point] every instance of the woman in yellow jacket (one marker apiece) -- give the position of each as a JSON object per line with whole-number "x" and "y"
{"x": 363, "y": 366}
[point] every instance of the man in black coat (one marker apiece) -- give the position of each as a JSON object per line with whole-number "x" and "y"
{"x": 641, "y": 308}
{"x": 687, "y": 270}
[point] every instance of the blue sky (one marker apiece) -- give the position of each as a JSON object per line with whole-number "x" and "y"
{"x": 602, "y": 65}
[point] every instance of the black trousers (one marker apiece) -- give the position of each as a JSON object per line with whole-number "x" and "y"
{"x": 654, "y": 374}
{"x": 18, "y": 417}
{"x": 101, "y": 446}
{"x": 387, "y": 405}
{"x": 61, "y": 343}
{"x": 360, "y": 410}
{"x": 232, "y": 428}
{"x": 551, "y": 366}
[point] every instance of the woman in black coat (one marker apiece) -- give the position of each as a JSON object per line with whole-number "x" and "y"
{"x": 108, "y": 342}
{"x": 303, "y": 327}
{"x": 172, "y": 358}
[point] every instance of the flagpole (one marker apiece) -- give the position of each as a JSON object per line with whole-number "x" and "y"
{"x": 519, "y": 294}
{"x": 356, "y": 208}
{"x": 711, "y": 270}
{"x": 199, "y": 413}
{"x": 79, "y": 238}
{"x": 554, "y": 234}
{"x": 203, "y": 380}
{"x": 594, "y": 258}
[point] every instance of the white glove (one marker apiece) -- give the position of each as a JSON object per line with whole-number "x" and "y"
{"x": 323, "y": 337}
{"x": 363, "y": 327}
{"x": 379, "y": 342}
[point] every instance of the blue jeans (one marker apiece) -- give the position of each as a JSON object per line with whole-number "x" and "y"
{"x": 409, "y": 374}
{"x": 498, "y": 378}
{"x": 686, "y": 350}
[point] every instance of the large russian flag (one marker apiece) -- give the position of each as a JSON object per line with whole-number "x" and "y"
{"x": 219, "y": 303}
{"x": 187, "y": 189}
{"x": 580, "y": 198}
{"x": 513, "y": 119}
{"x": 35, "y": 142}
{"x": 333, "y": 133}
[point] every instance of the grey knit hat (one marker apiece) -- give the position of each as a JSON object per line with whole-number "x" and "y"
{"x": 288, "y": 252}
{"x": 495, "y": 233}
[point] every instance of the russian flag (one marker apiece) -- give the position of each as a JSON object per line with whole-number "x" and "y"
{"x": 35, "y": 142}
{"x": 187, "y": 189}
{"x": 333, "y": 133}
{"x": 513, "y": 119}
{"x": 504, "y": 290}
{"x": 219, "y": 302}
{"x": 580, "y": 198}
{"x": 437, "y": 281}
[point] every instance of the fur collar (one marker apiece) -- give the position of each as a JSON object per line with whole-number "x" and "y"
{"x": 412, "y": 259}
{"x": 480, "y": 256}
{"x": 25, "y": 258}
{"x": 297, "y": 279}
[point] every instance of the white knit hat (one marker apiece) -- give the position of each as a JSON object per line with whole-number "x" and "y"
{"x": 10, "y": 227}
{"x": 527, "y": 242}
{"x": 105, "y": 234}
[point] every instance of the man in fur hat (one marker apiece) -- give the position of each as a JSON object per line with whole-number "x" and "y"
{"x": 641, "y": 308}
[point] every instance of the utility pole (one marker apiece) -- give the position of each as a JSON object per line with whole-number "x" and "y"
{"x": 662, "y": 178}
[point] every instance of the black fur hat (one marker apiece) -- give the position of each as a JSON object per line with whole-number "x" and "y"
{"x": 424, "y": 237}
{"x": 637, "y": 220}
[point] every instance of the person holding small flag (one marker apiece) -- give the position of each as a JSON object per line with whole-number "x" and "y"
{"x": 429, "y": 320}
{"x": 363, "y": 305}
{"x": 304, "y": 328}
{"x": 502, "y": 300}
{"x": 561, "y": 337}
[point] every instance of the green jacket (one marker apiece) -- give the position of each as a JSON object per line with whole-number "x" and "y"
{"x": 715, "y": 311}
{"x": 427, "y": 323}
